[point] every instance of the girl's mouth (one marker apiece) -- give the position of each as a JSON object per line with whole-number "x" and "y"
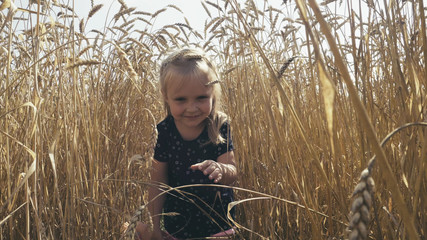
{"x": 192, "y": 117}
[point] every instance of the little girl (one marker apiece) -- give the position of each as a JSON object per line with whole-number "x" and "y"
{"x": 193, "y": 147}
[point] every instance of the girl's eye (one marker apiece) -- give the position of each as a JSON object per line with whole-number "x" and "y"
{"x": 202, "y": 97}
{"x": 180, "y": 99}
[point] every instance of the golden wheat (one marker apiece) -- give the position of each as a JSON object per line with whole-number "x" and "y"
{"x": 78, "y": 117}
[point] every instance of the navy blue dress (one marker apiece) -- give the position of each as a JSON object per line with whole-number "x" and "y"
{"x": 201, "y": 211}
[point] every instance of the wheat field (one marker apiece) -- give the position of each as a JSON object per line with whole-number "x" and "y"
{"x": 328, "y": 114}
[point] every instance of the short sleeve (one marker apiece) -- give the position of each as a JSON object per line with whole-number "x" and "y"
{"x": 160, "y": 151}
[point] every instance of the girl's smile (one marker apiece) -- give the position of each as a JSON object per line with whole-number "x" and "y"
{"x": 190, "y": 104}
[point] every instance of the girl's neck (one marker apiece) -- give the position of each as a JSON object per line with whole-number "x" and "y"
{"x": 189, "y": 134}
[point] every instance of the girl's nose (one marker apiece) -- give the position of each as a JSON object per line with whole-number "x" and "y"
{"x": 193, "y": 106}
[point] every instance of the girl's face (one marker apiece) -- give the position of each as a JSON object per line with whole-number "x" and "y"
{"x": 190, "y": 103}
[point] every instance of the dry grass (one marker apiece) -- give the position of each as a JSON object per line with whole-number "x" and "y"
{"x": 309, "y": 98}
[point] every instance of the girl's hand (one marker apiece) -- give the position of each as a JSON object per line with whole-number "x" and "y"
{"x": 156, "y": 235}
{"x": 210, "y": 168}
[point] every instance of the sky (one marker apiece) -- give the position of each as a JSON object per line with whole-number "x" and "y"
{"x": 192, "y": 10}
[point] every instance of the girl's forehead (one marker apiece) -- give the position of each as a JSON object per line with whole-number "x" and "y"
{"x": 193, "y": 85}
{"x": 178, "y": 81}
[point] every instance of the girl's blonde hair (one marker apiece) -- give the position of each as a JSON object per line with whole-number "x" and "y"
{"x": 192, "y": 63}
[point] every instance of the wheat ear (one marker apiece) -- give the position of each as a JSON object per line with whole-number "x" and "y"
{"x": 138, "y": 216}
{"x": 362, "y": 203}
{"x": 285, "y": 66}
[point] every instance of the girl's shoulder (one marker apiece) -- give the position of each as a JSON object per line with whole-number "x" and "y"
{"x": 224, "y": 127}
{"x": 166, "y": 126}
{"x": 166, "y": 122}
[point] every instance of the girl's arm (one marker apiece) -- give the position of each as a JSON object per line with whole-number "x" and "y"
{"x": 222, "y": 171}
{"x": 159, "y": 175}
